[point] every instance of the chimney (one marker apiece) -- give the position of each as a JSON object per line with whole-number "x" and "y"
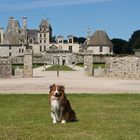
{"x": 24, "y": 22}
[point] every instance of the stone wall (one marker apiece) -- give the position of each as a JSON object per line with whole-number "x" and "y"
{"x": 5, "y": 68}
{"x": 123, "y": 67}
{"x": 47, "y": 58}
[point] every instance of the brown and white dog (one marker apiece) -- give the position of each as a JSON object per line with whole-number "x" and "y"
{"x": 61, "y": 110}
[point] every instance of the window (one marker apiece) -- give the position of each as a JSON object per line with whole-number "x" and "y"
{"x": 101, "y": 49}
{"x": 45, "y": 41}
{"x": 30, "y": 41}
{"x": 70, "y": 48}
{"x": 10, "y": 54}
{"x": 40, "y": 35}
{"x": 44, "y": 34}
{"x": 60, "y": 41}
{"x": 19, "y": 50}
{"x": 9, "y": 47}
{"x": 22, "y": 50}
{"x": 40, "y": 41}
{"x": 70, "y": 40}
{"x": 44, "y": 48}
{"x": 40, "y": 48}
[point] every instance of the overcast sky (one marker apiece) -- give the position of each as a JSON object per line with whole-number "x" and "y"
{"x": 119, "y": 18}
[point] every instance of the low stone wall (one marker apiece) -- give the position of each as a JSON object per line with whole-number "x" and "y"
{"x": 5, "y": 67}
{"x": 123, "y": 67}
{"x": 49, "y": 58}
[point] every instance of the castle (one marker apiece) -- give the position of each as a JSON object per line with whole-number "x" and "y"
{"x": 14, "y": 40}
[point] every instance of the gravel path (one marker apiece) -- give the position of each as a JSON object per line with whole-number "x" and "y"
{"x": 74, "y": 81}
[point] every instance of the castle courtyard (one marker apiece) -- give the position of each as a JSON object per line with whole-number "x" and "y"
{"x": 74, "y": 82}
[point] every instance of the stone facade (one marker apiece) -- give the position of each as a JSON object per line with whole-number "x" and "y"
{"x": 14, "y": 40}
{"x": 5, "y": 68}
{"x": 123, "y": 67}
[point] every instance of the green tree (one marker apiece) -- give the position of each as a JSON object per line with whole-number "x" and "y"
{"x": 80, "y": 40}
{"x": 134, "y": 41}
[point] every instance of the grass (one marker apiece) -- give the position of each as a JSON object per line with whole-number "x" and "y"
{"x": 101, "y": 117}
{"x": 61, "y": 68}
{"x": 95, "y": 65}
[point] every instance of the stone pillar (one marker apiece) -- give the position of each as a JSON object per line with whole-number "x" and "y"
{"x": 5, "y": 68}
{"x": 88, "y": 64}
{"x": 28, "y": 63}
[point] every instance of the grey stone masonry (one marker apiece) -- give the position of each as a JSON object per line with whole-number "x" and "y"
{"x": 18, "y": 72}
{"x": 123, "y": 67}
{"x": 88, "y": 64}
{"x": 5, "y": 67}
{"x": 28, "y": 61}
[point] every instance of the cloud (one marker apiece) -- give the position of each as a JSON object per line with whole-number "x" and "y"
{"x": 32, "y": 4}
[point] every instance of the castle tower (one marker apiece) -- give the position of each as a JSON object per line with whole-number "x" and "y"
{"x": 12, "y": 34}
{"x": 45, "y": 32}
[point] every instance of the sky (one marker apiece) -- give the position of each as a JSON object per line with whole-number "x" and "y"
{"x": 119, "y": 18}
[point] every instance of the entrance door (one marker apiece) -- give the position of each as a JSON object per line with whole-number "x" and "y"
{"x": 63, "y": 62}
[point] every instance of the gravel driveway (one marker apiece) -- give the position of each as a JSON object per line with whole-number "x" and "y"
{"x": 74, "y": 81}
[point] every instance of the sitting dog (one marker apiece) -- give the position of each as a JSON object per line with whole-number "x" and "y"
{"x": 61, "y": 110}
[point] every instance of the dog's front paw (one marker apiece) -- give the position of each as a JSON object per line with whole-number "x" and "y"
{"x": 63, "y": 121}
{"x": 54, "y": 121}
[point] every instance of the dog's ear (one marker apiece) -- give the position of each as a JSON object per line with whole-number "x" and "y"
{"x": 52, "y": 86}
{"x": 63, "y": 88}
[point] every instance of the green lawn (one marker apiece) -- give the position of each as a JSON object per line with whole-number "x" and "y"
{"x": 101, "y": 117}
{"x": 61, "y": 68}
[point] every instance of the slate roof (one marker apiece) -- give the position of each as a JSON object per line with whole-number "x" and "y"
{"x": 44, "y": 22}
{"x": 32, "y": 33}
{"x": 99, "y": 38}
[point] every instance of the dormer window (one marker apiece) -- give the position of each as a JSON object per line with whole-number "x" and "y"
{"x": 60, "y": 41}
{"x": 70, "y": 40}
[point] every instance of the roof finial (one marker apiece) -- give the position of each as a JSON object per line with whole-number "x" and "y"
{"x": 88, "y": 33}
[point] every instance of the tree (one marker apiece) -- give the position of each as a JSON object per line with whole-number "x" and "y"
{"x": 134, "y": 41}
{"x": 80, "y": 40}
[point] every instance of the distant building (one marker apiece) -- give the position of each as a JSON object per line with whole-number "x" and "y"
{"x": 99, "y": 43}
{"x": 14, "y": 40}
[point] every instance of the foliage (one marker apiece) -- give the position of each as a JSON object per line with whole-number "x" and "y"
{"x": 121, "y": 46}
{"x": 80, "y": 40}
{"x": 101, "y": 117}
{"x": 135, "y": 40}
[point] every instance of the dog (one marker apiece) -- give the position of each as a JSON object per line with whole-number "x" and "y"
{"x": 61, "y": 110}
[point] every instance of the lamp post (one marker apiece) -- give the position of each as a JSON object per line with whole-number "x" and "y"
{"x": 58, "y": 61}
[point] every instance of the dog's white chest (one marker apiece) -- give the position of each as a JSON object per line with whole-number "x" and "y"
{"x": 55, "y": 104}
